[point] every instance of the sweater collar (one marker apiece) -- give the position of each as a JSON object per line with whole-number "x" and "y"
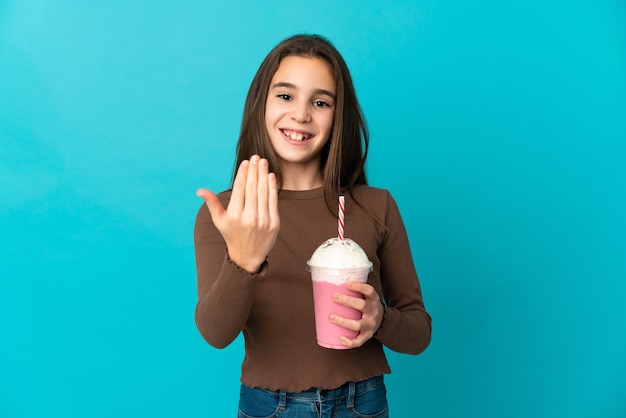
{"x": 301, "y": 194}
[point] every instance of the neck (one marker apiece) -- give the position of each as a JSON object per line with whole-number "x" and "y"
{"x": 299, "y": 177}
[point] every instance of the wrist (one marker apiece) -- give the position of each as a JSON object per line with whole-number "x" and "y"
{"x": 250, "y": 266}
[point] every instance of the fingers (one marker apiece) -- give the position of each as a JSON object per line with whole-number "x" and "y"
{"x": 205, "y": 194}
{"x": 372, "y": 313}
{"x": 250, "y": 223}
{"x": 213, "y": 203}
{"x": 237, "y": 197}
{"x": 356, "y": 342}
{"x": 263, "y": 193}
{"x": 365, "y": 289}
{"x": 255, "y": 191}
{"x": 357, "y": 303}
{"x": 250, "y": 207}
{"x": 366, "y": 328}
{"x": 273, "y": 200}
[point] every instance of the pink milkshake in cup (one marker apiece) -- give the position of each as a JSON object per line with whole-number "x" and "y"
{"x": 334, "y": 263}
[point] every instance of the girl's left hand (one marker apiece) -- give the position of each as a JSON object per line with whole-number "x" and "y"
{"x": 372, "y": 313}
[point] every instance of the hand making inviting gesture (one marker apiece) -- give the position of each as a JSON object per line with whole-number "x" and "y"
{"x": 250, "y": 224}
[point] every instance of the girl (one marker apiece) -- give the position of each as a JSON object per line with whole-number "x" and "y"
{"x": 303, "y": 141}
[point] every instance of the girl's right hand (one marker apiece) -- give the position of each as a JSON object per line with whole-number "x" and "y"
{"x": 250, "y": 224}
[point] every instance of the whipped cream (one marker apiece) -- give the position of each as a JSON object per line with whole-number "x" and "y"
{"x": 339, "y": 254}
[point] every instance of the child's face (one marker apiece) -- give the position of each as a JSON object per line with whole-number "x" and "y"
{"x": 300, "y": 109}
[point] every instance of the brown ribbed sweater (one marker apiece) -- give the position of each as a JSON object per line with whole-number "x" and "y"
{"x": 274, "y": 308}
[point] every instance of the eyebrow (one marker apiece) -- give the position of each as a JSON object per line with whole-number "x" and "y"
{"x": 293, "y": 86}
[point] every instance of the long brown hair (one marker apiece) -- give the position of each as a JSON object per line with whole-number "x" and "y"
{"x": 344, "y": 155}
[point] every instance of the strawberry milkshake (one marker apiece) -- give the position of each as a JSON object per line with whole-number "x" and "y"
{"x": 332, "y": 264}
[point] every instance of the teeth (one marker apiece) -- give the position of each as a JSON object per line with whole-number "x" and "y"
{"x": 297, "y": 136}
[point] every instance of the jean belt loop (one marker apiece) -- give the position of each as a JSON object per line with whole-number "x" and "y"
{"x": 282, "y": 399}
{"x": 351, "y": 394}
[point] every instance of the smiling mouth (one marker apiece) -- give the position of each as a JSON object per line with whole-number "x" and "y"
{"x": 296, "y": 136}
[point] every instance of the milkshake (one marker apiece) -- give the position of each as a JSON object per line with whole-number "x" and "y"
{"x": 332, "y": 264}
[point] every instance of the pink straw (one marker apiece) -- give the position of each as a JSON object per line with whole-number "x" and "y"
{"x": 342, "y": 200}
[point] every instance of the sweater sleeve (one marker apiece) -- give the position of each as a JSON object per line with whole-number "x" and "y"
{"x": 406, "y": 325}
{"x": 225, "y": 291}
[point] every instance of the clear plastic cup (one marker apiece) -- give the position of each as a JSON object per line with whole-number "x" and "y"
{"x": 331, "y": 266}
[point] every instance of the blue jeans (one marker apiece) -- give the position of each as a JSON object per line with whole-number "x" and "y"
{"x": 352, "y": 400}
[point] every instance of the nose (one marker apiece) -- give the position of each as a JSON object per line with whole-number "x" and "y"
{"x": 300, "y": 113}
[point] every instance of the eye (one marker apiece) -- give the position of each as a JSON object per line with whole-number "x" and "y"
{"x": 284, "y": 96}
{"x": 321, "y": 103}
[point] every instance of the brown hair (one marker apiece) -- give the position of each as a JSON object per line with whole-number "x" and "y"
{"x": 344, "y": 155}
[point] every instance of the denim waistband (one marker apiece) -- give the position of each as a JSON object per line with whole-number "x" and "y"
{"x": 348, "y": 388}
{"x": 344, "y": 396}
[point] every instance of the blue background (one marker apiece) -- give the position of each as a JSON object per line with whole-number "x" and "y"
{"x": 499, "y": 127}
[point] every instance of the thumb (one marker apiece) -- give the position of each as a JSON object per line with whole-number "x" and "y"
{"x": 213, "y": 203}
